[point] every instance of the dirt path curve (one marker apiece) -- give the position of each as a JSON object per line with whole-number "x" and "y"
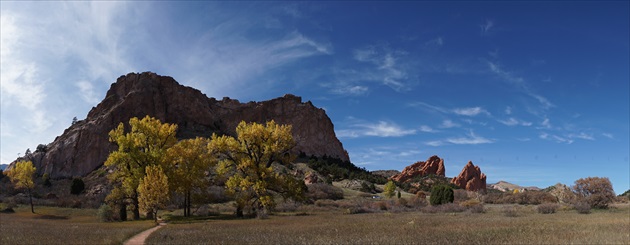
{"x": 139, "y": 238}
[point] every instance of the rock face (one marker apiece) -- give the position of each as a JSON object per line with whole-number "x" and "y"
{"x": 84, "y": 146}
{"x": 505, "y": 186}
{"x": 471, "y": 178}
{"x": 433, "y": 165}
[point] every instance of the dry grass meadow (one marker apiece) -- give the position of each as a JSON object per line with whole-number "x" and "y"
{"x": 52, "y": 225}
{"x": 493, "y": 227}
{"x": 81, "y": 226}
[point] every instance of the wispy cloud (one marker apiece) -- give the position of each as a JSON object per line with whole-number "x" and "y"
{"x": 449, "y": 124}
{"x": 427, "y": 129}
{"x": 519, "y": 83}
{"x": 469, "y": 139}
{"x": 464, "y": 111}
{"x": 608, "y": 135}
{"x": 514, "y": 122}
{"x": 351, "y": 90}
{"x": 386, "y": 68}
{"x": 470, "y": 111}
{"x": 566, "y": 138}
{"x": 379, "y": 129}
{"x": 485, "y": 27}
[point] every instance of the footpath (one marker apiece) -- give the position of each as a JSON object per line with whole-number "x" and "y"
{"x": 139, "y": 238}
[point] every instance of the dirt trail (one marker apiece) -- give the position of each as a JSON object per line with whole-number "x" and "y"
{"x": 139, "y": 238}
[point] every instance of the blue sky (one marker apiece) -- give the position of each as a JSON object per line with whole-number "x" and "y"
{"x": 534, "y": 93}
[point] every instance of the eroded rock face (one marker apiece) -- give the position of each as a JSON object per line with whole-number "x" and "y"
{"x": 84, "y": 146}
{"x": 433, "y": 165}
{"x": 471, "y": 178}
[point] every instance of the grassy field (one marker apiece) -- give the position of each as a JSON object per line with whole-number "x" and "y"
{"x": 64, "y": 226}
{"x": 493, "y": 227}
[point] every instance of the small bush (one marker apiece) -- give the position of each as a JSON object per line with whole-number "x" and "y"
{"x": 46, "y": 179}
{"x": 417, "y": 202}
{"x": 402, "y": 202}
{"x": 77, "y": 186}
{"x": 326, "y": 203}
{"x": 547, "y": 208}
{"x": 582, "y": 207}
{"x": 510, "y": 211}
{"x": 105, "y": 213}
{"x": 444, "y": 208}
{"x": 477, "y": 209}
{"x": 441, "y": 194}
{"x": 469, "y": 203}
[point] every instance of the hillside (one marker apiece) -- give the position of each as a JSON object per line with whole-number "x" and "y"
{"x": 506, "y": 186}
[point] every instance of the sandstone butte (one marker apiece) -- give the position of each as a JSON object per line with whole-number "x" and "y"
{"x": 434, "y": 165}
{"x": 84, "y": 146}
{"x": 471, "y": 178}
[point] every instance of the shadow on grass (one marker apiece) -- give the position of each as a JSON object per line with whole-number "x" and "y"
{"x": 200, "y": 219}
{"x": 50, "y": 216}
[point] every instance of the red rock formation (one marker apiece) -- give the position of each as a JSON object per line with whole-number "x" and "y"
{"x": 471, "y": 178}
{"x": 433, "y": 165}
{"x": 84, "y": 146}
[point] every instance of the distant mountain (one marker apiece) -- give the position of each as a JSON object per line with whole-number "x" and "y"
{"x": 84, "y": 146}
{"x": 386, "y": 173}
{"x": 3, "y": 166}
{"x": 506, "y": 186}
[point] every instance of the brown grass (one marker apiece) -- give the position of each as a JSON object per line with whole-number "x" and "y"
{"x": 64, "y": 226}
{"x": 600, "y": 227}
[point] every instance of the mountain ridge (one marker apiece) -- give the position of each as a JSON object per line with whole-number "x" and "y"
{"x": 84, "y": 146}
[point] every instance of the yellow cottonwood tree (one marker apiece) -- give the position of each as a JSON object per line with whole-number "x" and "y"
{"x": 188, "y": 164}
{"x": 247, "y": 162}
{"x": 389, "y": 189}
{"x": 21, "y": 175}
{"x": 145, "y": 145}
{"x": 153, "y": 190}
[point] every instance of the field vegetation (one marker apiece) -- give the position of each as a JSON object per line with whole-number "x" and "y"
{"x": 53, "y": 225}
{"x": 334, "y": 227}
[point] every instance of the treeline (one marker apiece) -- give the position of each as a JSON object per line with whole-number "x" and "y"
{"x": 335, "y": 169}
{"x": 151, "y": 166}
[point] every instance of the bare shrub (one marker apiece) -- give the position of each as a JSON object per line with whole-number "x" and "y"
{"x": 469, "y": 203}
{"x": 287, "y": 207}
{"x": 326, "y": 203}
{"x": 597, "y": 191}
{"x": 444, "y": 208}
{"x": 417, "y": 202}
{"x": 510, "y": 211}
{"x": 105, "y": 213}
{"x": 402, "y": 202}
{"x": 582, "y": 207}
{"x": 477, "y": 209}
{"x": 460, "y": 195}
{"x": 380, "y": 205}
{"x": 547, "y": 208}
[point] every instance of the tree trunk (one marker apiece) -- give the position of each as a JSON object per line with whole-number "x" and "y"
{"x": 135, "y": 208}
{"x": 150, "y": 214}
{"x": 30, "y": 196}
{"x": 122, "y": 212}
{"x": 188, "y": 203}
{"x": 239, "y": 211}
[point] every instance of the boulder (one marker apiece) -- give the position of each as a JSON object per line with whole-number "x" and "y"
{"x": 471, "y": 178}
{"x": 84, "y": 146}
{"x": 434, "y": 165}
{"x": 311, "y": 178}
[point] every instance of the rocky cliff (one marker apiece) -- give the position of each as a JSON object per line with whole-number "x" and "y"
{"x": 84, "y": 146}
{"x": 471, "y": 178}
{"x": 434, "y": 165}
